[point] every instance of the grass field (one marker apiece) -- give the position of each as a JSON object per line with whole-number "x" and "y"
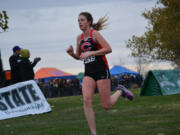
{"x": 157, "y": 115}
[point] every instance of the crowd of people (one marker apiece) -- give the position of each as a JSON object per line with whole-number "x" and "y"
{"x": 129, "y": 80}
{"x": 60, "y": 87}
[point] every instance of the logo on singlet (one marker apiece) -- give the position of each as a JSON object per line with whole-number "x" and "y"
{"x": 86, "y": 46}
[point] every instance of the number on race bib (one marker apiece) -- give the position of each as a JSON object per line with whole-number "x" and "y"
{"x": 89, "y": 59}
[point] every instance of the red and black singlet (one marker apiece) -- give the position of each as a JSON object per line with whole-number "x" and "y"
{"x": 93, "y": 63}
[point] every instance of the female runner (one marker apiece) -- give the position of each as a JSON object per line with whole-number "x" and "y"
{"x": 92, "y": 48}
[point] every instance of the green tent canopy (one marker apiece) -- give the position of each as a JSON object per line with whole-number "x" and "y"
{"x": 161, "y": 82}
{"x": 80, "y": 76}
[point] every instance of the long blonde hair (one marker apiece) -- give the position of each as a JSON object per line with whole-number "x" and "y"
{"x": 101, "y": 23}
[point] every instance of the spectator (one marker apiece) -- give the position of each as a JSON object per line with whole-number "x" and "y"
{"x": 27, "y": 72}
{"x": 62, "y": 86}
{"x": 14, "y": 62}
{"x": 76, "y": 87}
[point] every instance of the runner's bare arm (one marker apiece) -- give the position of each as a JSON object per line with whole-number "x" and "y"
{"x": 106, "y": 48}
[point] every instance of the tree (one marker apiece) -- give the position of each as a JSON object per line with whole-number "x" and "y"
{"x": 3, "y": 20}
{"x": 161, "y": 41}
{"x": 4, "y": 27}
{"x": 141, "y": 64}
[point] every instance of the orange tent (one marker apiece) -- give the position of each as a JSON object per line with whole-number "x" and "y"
{"x": 48, "y": 73}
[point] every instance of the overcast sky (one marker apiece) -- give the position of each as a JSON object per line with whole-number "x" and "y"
{"x": 48, "y": 27}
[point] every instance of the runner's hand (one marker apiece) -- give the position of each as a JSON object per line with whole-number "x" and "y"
{"x": 70, "y": 50}
{"x": 85, "y": 55}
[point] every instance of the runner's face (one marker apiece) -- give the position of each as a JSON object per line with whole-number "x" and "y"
{"x": 83, "y": 22}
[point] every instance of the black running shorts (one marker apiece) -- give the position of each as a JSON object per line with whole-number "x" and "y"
{"x": 99, "y": 75}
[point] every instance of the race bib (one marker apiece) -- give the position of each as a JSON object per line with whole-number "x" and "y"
{"x": 89, "y": 59}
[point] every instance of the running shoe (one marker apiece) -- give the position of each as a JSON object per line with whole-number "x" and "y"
{"x": 125, "y": 92}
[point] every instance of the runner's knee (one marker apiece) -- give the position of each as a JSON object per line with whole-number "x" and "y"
{"x": 87, "y": 102}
